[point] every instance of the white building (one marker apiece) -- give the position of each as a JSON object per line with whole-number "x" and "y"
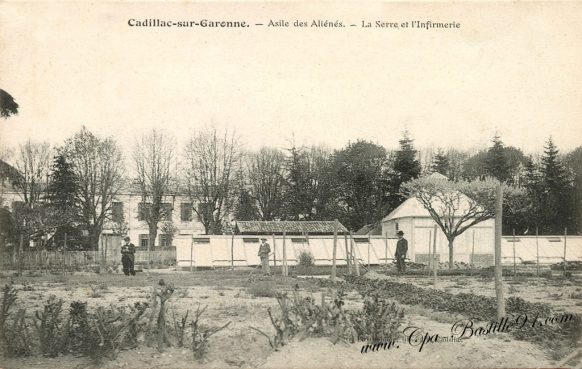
{"x": 418, "y": 226}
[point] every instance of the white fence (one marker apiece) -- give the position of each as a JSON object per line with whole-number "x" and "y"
{"x": 219, "y": 251}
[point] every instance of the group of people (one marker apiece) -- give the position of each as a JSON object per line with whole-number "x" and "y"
{"x": 128, "y": 255}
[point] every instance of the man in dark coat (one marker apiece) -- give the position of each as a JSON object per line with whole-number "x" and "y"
{"x": 401, "y": 249}
{"x": 128, "y": 257}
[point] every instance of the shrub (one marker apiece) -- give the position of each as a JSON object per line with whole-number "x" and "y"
{"x": 15, "y": 337}
{"x": 306, "y": 259}
{"x": 201, "y": 333}
{"x": 50, "y": 328}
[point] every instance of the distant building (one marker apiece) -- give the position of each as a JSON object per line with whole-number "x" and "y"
{"x": 128, "y": 206}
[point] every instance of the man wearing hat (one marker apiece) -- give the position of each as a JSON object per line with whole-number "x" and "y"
{"x": 401, "y": 249}
{"x": 264, "y": 252}
{"x": 128, "y": 256}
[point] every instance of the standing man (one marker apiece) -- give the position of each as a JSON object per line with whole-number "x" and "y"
{"x": 264, "y": 252}
{"x": 128, "y": 256}
{"x": 401, "y": 249}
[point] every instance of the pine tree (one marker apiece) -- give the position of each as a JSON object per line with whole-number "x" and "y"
{"x": 61, "y": 194}
{"x": 496, "y": 164}
{"x": 246, "y": 208}
{"x": 440, "y": 163}
{"x": 405, "y": 168}
{"x": 298, "y": 199}
{"x": 557, "y": 209}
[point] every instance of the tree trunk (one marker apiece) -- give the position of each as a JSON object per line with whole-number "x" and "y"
{"x": 151, "y": 243}
{"x": 451, "y": 254}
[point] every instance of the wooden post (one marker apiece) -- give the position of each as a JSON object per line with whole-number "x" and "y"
{"x": 274, "y": 254}
{"x": 353, "y": 254}
{"x": 232, "y": 252}
{"x": 514, "y": 264}
{"x": 565, "y": 241}
{"x": 537, "y": 255}
{"x": 333, "y": 265}
{"x": 348, "y": 264}
{"x": 65, "y": 255}
{"x": 498, "y": 269}
{"x": 473, "y": 254}
{"x": 429, "y": 252}
{"x": 192, "y": 254}
{"x": 285, "y": 272}
{"x": 368, "y": 252}
{"x": 386, "y": 249}
{"x": 434, "y": 260}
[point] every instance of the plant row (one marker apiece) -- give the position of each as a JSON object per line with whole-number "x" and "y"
{"x": 558, "y": 338}
{"x": 99, "y": 333}
{"x": 302, "y": 317}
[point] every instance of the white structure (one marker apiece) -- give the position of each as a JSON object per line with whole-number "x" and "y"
{"x": 418, "y": 226}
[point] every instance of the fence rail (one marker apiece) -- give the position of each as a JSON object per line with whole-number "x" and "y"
{"x": 77, "y": 260}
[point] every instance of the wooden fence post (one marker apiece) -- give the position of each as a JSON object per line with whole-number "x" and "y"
{"x": 565, "y": 241}
{"x": 348, "y": 263}
{"x": 333, "y": 265}
{"x": 473, "y": 254}
{"x": 514, "y": 263}
{"x": 285, "y": 271}
{"x": 498, "y": 268}
{"x": 434, "y": 264}
{"x": 430, "y": 261}
{"x": 537, "y": 255}
{"x": 192, "y": 254}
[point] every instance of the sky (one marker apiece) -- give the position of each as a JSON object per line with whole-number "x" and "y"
{"x": 511, "y": 68}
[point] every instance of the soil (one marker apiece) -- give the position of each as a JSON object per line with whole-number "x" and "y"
{"x": 237, "y": 297}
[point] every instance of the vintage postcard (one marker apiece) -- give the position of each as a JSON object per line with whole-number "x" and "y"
{"x": 290, "y": 184}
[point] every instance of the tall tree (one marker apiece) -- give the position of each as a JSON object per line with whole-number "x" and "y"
{"x": 298, "y": 195}
{"x": 457, "y": 206}
{"x": 574, "y": 165}
{"x": 61, "y": 194}
{"x": 440, "y": 163}
{"x": 360, "y": 170}
{"x": 405, "y": 167}
{"x": 266, "y": 177}
{"x": 557, "y": 201}
{"x": 98, "y": 167}
{"x": 211, "y": 160}
{"x": 153, "y": 157}
{"x": 496, "y": 164}
{"x": 33, "y": 162}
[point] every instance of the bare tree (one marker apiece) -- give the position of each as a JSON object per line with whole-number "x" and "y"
{"x": 457, "y": 206}
{"x": 153, "y": 156}
{"x": 33, "y": 161}
{"x": 98, "y": 167}
{"x": 211, "y": 158}
{"x": 267, "y": 180}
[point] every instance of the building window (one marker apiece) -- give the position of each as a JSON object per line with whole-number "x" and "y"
{"x": 117, "y": 212}
{"x": 144, "y": 240}
{"x": 165, "y": 240}
{"x": 166, "y": 212}
{"x": 186, "y": 212}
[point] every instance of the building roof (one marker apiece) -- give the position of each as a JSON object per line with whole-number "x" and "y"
{"x": 289, "y": 227}
{"x": 412, "y": 207}
{"x": 370, "y": 229}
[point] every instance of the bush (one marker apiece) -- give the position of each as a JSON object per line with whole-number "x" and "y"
{"x": 306, "y": 259}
